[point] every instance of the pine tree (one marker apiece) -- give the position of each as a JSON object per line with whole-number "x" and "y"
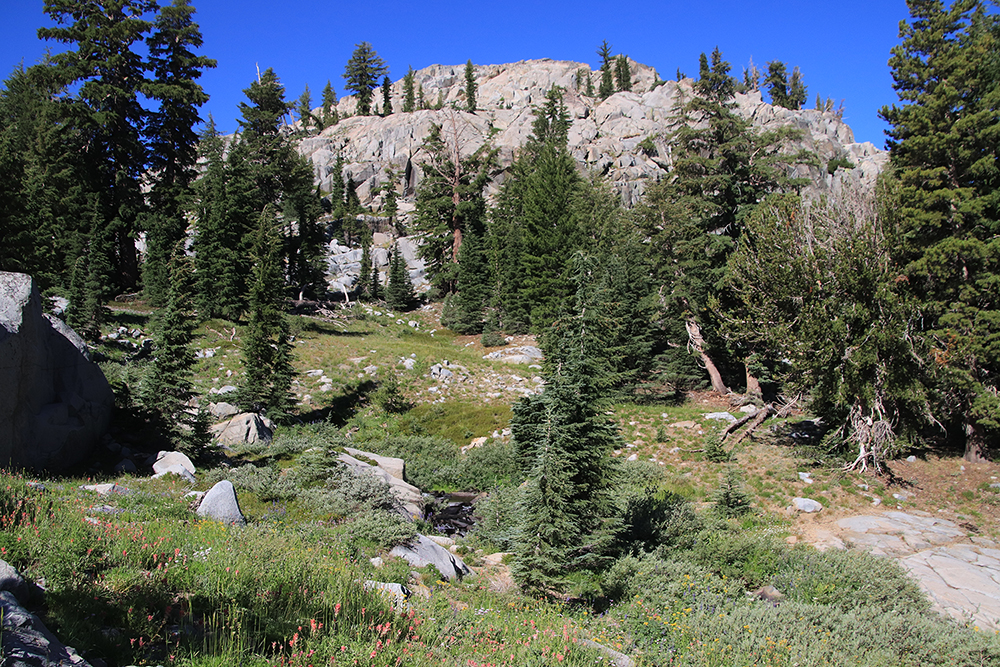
{"x": 362, "y": 74}
{"x": 399, "y": 293}
{"x": 450, "y": 196}
{"x": 329, "y": 114}
{"x": 942, "y": 142}
{"x": 170, "y": 388}
{"x": 776, "y": 82}
{"x": 91, "y": 282}
{"x": 564, "y": 442}
{"x": 470, "y": 86}
{"x": 409, "y": 99}
{"x": 623, "y": 74}
{"x": 474, "y": 284}
{"x": 386, "y": 96}
{"x": 303, "y": 108}
{"x": 266, "y": 357}
{"x": 797, "y": 94}
{"x": 607, "y": 86}
{"x": 363, "y": 287}
{"x": 722, "y": 170}
{"x": 171, "y": 136}
{"x": 110, "y": 76}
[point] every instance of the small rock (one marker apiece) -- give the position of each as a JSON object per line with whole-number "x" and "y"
{"x": 806, "y": 505}
{"x": 721, "y": 416}
{"x": 911, "y": 459}
{"x": 377, "y": 561}
{"x": 805, "y": 477}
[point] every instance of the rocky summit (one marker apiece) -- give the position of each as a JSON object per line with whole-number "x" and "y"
{"x": 626, "y": 138}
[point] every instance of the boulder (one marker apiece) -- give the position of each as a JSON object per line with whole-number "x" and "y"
{"x": 424, "y": 551}
{"x": 12, "y": 581}
{"x": 393, "y": 466}
{"x": 807, "y": 505}
{"x": 175, "y": 469}
{"x": 57, "y": 403}
{"x": 166, "y": 460}
{"x": 220, "y": 504}
{"x": 223, "y": 410}
{"x": 244, "y": 428}
{"x": 28, "y": 643}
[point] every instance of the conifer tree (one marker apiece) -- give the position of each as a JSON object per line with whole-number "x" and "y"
{"x": 623, "y": 74}
{"x": 362, "y": 74}
{"x": 409, "y": 96}
{"x": 399, "y": 293}
{"x": 110, "y": 75}
{"x": 329, "y": 114}
{"x": 172, "y": 140}
{"x": 266, "y": 356}
{"x": 776, "y": 82}
{"x": 303, "y": 108}
{"x": 470, "y": 86}
{"x": 943, "y": 147}
{"x": 449, "y": 199}
{"x": 722, "y": 170}
{"x": 797, "y": 94}
{"x": 386, "y": 96}
{"x": 363, "y": 286}
{"x": 607, "y": 86}
{"x": 564, "y": 441}
{"x": 91, "y": 282}
{"x": 170, "y": 388}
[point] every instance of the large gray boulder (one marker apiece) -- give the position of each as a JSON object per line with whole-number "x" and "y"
{"x": 220, "y": 504}
{"x": 424, "y": 551}
{"x": 27, "y": 642}
{"x": 56, "y": 402}
{"x": 244, "y": 428}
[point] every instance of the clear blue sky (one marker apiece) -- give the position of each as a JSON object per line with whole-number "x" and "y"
{"x": 841, "y": 47}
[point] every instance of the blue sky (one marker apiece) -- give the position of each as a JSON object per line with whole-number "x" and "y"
{"x": 841, "y": 47}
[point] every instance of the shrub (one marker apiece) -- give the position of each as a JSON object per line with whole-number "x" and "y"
{"x": 493, "y": 339}
{"x": 653, "y": 518}
{"x": 498, "y": 517}
{"x": 491, "y": 465}
{"x": 382, "y": 529}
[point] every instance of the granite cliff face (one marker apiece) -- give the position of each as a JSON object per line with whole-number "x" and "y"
{"x": 605, "y": 136}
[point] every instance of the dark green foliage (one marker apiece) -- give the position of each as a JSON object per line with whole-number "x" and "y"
{"x": 498, "y": 517}
{"x": 694, "y": 219}
{"x": 172, "y": 140}
{"x": 168, "y": 388}
{"x": 409, "y": 99}
{"x": 563, "y": 442}
{"x": 362, "y": 73}
{"x": 110, "y": 76}
{"x": 536, "y": 227}
{"x": 797, "y": 93}
{"x": 731, "y": 499}
{"x": 266, "y": 350}
{"x": 776, "y": 82}
{"x": 943, "y": 143}
{"x": 388, "y": 397}
{"x": 450, "y": 200}
{"x": 470, "y": 86}
{"x": 329, "y": 115}
{"x": 655, "y": 518}
{"x": 714, "y": 450}
{"x": 623, "y": 74}
{"x": 607, "y": 86}
{"x": 386, "y": 96}
{"x": 46, "y": 215}
{"x": 816, "y": 288}
{"x": 399, "y": 293}
{"x": 474, "y": 283}
{"x": 91, "y": 282}
{"x": 492, "y": 337}
{"x": 303, "y": 108}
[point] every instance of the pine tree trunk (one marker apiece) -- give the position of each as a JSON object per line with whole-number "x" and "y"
{"x": 697, "y": 341}
{"x": 753, "y": 385}
{"x": 975, "y": 445}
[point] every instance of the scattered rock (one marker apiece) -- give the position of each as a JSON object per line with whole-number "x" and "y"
{"x": 721, "y": 416}
{"x": 445, "y": 542}
{"x": 684, "y": 424}
{"x": 911, "y": 459}
{"x": 806, "y": 477}
{"x": 424, "y": 551}
{"x": 221, "y": 504}
{"x": 176, "y": 469}
{"x": 410, "y": 498}
{"x": 105, "y": 489}
{"x": 807, "y": 505}
{"x": 768, "y": 594}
